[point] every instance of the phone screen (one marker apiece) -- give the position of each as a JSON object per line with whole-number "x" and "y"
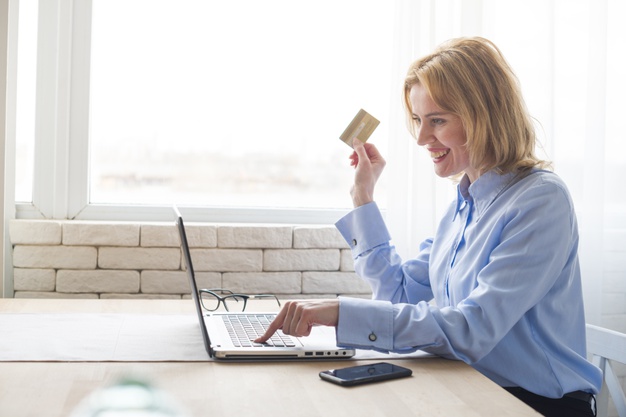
{"x": 362, "y": 374}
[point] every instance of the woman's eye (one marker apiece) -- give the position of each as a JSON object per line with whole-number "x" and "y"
{"x": 438, "y": 121}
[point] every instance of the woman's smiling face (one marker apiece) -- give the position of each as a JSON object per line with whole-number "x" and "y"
{"x": 442, "y": 134}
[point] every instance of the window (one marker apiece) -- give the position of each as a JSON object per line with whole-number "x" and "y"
{"x": 236, "y": 106}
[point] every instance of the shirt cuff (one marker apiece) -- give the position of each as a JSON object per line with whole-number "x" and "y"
{"x": 365, "y": 324}
{"x": 363, "y": 228}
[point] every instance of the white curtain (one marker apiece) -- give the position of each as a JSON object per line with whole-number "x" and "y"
{"x": 568, "y": 55}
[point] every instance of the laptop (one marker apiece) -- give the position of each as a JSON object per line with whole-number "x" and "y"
{"x": 220, "y": 339}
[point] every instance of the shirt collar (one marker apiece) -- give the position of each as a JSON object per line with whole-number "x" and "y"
{"x": 462, "y": 195}
{"x": 482, "y": 192}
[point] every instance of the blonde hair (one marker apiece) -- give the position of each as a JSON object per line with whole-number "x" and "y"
{"x": 470, "y": 78}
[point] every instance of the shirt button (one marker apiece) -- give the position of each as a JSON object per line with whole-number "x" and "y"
{"x": 372, "y": 337}
{"x": 353, "y": 242}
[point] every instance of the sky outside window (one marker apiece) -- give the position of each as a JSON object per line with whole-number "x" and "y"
{"x": 234, "y": 103}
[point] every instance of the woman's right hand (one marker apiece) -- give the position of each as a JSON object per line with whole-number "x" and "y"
{"x": 368, "y": 164}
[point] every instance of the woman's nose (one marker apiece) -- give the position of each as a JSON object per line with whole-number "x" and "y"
{"x": 423, "y": 136}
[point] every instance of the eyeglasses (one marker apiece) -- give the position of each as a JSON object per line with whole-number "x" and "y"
{"x": 211, "y": 299}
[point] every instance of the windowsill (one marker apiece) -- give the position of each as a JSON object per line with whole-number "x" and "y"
{"x": 196, "y": 214}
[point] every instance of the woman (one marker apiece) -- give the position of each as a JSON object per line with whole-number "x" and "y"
{"x": 502, "y": 268}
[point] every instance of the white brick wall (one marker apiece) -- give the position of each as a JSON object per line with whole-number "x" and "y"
{"x": 69, "y": 259}
{"x": 301, "y": 259}
{"x": 98, "y": 234}
{"x": 255, "y": 236}
{"x": 112, "y": 258}
{"x": 97, "y": 281}
{"x": 33, "y": 279}
{"x": 35, "y": 232}
{"x": 318, "y": 237}
{"x": 55, "y": 257}
{"x": 227, "y": 260}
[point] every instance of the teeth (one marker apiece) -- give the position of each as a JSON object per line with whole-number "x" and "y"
{"x": 435, "y": 155}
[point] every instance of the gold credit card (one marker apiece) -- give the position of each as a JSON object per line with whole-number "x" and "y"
{"x": 361, "y": 127}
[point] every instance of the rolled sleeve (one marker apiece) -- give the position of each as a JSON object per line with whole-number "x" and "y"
{"x": 363, "y": 228}
{"x": 365, "y": 324}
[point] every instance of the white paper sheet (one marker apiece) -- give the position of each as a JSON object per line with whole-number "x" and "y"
{"x": 100, "y": 337}
{"x": 112, "y": 337}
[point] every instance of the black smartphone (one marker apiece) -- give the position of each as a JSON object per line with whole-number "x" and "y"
{"x": 363, "y": 374}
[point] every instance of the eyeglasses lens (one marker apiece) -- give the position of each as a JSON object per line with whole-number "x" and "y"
{"x": 209, "y": 301}
{"x": 235, "y": 303}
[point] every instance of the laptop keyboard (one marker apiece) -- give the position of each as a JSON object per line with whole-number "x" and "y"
{"x": 243, "y": 329}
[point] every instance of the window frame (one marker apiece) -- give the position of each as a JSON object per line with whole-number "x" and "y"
{"x": 61, "y": 167}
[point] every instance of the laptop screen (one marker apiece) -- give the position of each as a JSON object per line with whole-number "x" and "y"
{"x": 192, "y": 279}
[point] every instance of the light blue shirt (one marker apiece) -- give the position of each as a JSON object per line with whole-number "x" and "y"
{"x": 504, "y": 275}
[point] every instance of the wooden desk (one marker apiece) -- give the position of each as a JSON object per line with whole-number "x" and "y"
{"x": 438, "y": 387}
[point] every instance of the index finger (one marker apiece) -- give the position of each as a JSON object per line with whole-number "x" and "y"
{"x": 275, "y": 325}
